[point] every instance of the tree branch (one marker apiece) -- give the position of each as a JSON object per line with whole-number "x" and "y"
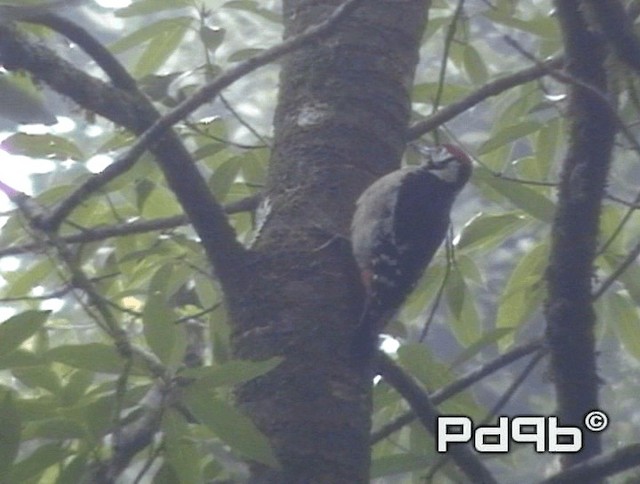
{"x": 97, "y": 307}
{"x": 461, "y": 384}
{"x": 94, "y": 234}
{"x": 90, "y": 45}
{"x": 599, "y": 467}
{"x": 613, "y": 277}
{"x": 427, "y": 412}
{"x": 568, "y": 308}
{"x": 204, "y": 213}
{"x": 203, "y": 95}
{"x": 493, "y": 88}
{"x": 135, "y": 113}
{"x": 499, "y": 405}
{"x": 617, "y": 26}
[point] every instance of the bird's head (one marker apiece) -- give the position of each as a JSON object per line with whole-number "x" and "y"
{"x": 447, "y": 162}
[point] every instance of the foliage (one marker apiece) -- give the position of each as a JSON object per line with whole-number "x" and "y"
{"x": 63, "y": 383}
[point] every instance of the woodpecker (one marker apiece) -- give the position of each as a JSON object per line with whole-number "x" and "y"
{"x": 399, "y": 223}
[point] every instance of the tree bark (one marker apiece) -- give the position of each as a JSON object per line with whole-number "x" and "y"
{"x": 569, "y": 309}
{"x": 341, "y": 122}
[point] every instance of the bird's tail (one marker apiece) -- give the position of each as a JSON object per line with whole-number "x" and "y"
{"x": 364, "y": 342}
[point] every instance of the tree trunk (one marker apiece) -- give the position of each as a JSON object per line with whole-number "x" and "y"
{"x": 340, "y": 123}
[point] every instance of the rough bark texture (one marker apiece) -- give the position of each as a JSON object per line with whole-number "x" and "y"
{"x": 340, "y": 123}
{"x": 569, "y": 309}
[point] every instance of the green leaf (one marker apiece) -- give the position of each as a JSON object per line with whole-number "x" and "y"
{"x": 19, "y": 328}
{"x": 98, "y": 416}
{"x": 181, "y": 449}
{"x": 624, "y": 318}
{"x": 630, "y": 278}
{"x": 254, "y": 167}
{"x": 159, "y": 203}
{"x": 485, "y": 341}
{"x": 77, "y": 384}
{"x": 37, "y": 462}
{"x": 207, "y": 291}
{"x": 522, "y": 196}
{"x": 456, "y": 292}
{"x": 158, "y": 318}
{"x": 232, "y": 372}
{"x": 417, "y": 358}
{"x": 138, "y": 37}
{"x": 244, "y": 54}
{"x": 425, "y": 92}
{"x": 509, "y": 135}
{"x": 397, "y": 464}
{"x": 10, "y": 423}
{"x": 548, "y": 142}
{"x": 143, "y": 190}
{"x": 39, "y": 377}
{"x": 46, "y": 146}
{"x": 468, "y": 267}
{"x": 465, "y": 323}
{"x": 610, "y": 220}
{"x": 92, "y": 356}
{"x": 524, "y": 290}
{"x": 475, "y": 66}
{"x": 146, "y": 7}
{"x": 224, "y": 176}
{"x": 58, "y": 428}
{"x": 21, "y": 102}
{"x": 162, "y": 45}
{"x": 212, "y": 37}
{"x": 27, "y": 279}
{"x": 425, "y": 292}
{"x": 434, "y": 374}
{"x": 539, "y": 25}
{"x": 487, "y": 230}
{"x": 232, "y": 427}
{"x": 253, "y": 7}
{"x": 73, "y": 471}
{"x": 19, "y": 358}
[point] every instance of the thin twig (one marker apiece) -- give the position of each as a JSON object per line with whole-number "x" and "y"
{"x": 118, "y": 75}
{"x": 497, "y": 407}
{"x": 66, "y": 289}
{"x": 522, "y": 181}
{"x": 202, "y": 96}
{"x": 619, "y": 122}
{"x": 441, "y": 288}
{"x": 613, "y": 277}
{"x": 493, "y": 88}
{"x": 243, "y": 122}
{"x": 567, "y": 78}
{"x": 632, "y": 205}
{"x": 94, "y": 234}
{"x": 460, "y": 385}
{"x": 97, "y": 307}
{"x": 618, "y": 28}
{"x": 449, "y": 37}
{"x": 599, "y": 467}
{"x": 427, "y": 412}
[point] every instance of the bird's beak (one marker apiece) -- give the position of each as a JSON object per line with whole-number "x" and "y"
{"x": 421, "y": 149}
{"x": 424, "y": 151}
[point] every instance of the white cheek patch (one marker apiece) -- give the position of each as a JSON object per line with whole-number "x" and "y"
{"x": 449, "y": 174}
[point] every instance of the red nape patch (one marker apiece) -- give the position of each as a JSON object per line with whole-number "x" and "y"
{"x": 458, "y": 152}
